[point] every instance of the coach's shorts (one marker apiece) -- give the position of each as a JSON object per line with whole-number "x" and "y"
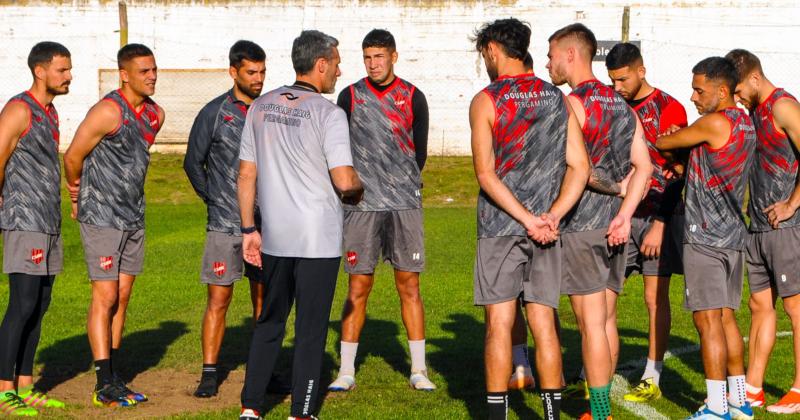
{"x": 398, "y": 235}
{"x": 508, "y": 266}
{"x": 713, "y": 277}
{"x": 773, "y": 261}
{"x": 668, "y": 262}
{"x": 109, "y": 252}
{"x": 34, "y": 253}
{"x": 589, "y": 265}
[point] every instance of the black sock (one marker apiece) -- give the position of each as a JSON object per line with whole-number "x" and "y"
{"x": 114, "y": 355}
{"x": 498, "y": 405}
{"x": 210, "y": 370}
{"x": 102, "y": 368}
{"x": 551, "y": 403}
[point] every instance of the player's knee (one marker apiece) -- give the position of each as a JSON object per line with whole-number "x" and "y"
{"x": 760, "y": 306}
{"x": 218, "y": 305}
{"x": 792, "y": 307}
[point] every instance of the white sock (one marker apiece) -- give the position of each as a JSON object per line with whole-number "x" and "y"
{"x": 751, "y": 389}
{"x": 349, "y": 351}
{"x": 653, "y": 370}
{"x": 716, "y": 401}
{"x": 795, "y": 390}
{"x": 417, "y": 350}
{"x": 736, "y": 388}
{"x": 519, "y": 354}
{"x": 582, "y": 375}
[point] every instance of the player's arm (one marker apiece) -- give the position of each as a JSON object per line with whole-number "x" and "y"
{"x": 194, "y": 162}
{"x": 14, "y": 121}
{"x": 481, "y": 119}
{"x": 162, "y": 117}
{"x": 712, "y": 129}
{"x": 786, "y": 116}
{"x": 420, "y": 127}
{"x": 246, "y": 192}
{"x": 577, "y": 173}
{"x": 104, "y": 118}
{"x": 620, "y": 226}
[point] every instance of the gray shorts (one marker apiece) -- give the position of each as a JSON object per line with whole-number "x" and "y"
{"x": 772, "y": 261}
{"x": 34, "y": 253}
{"x": 222, "y": 259}
{"x": 508, "y": 266}
{"x": 109, "y": 252}
{"x": 398, "y": 235}
{"x": 714, "y": 277}
{"x": 668, "y": 262}
{"x": 590, "y": 266}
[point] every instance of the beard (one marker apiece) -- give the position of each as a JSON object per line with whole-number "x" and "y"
{"x": 249, "y": 90}
{"x": 62, "y": 89}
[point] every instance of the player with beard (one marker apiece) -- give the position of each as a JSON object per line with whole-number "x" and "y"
{"x": 30, "y": 217}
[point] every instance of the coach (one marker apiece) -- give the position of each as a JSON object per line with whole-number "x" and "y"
{"x": 297, "y": 145}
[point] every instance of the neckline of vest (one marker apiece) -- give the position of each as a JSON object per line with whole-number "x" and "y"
{"x": 587, "y": 82}
{"x": 381, "y": 93}
{"x": 130, "y": 106}
{"x": 46, "y": 109}
{"x": 516, "y": 76}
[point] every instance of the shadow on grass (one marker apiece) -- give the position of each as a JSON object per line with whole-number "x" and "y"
{"x": 379, "y": 338}
{"x": 140, "y": 351}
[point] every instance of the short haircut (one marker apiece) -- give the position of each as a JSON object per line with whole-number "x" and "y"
{"x": 379, "y": 38}
{"x": 245, "y": 50}
{"x": 718, "y": 69}
{"x": 43, "y": 53}
{"x": 528, "y": 61}
{"x": 513, "y": 36}
{"x": 623, "y": 55}
{"x": 131, "y": 51}
{"x": 581, "y": 33}
{"x": 309, "y": 47}
{"x": 745, "y": 62}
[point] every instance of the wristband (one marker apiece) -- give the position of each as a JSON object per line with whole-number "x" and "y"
{"x": 246, "y": 230}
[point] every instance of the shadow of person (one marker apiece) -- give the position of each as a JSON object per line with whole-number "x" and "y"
{"x": 379, "y": 338}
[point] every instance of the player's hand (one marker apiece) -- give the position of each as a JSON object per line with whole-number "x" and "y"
{"x": 623, "y": 185}
{"x": 618, "y": 231}
{"x": 251, "y": 248}
{"x": 353, "y": 199}
{"x": 673, "y": 171}
{"x": 74, "y": 212}
{"x": 73, "y": 190}
{"x": 651, "y": 244}
{"x": 553, "y": 222}
{"x": 671, "y": 129}
{"x": 538, "y": 229}
{"x": 778, "y": 212}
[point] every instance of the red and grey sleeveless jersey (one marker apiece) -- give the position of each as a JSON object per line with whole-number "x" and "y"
{"x": 112, "y": 181}
{"x": 382, "y": 141}
{"x": 715, "y": 186}
{"x": 774, "y": 172}
{"x": 608, "y": 132}
{"x": 32, "y": 186}
{"x": 530, "y": 143}
{"x": 658, "y": 112}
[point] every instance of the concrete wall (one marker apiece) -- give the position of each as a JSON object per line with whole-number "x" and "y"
{"x": 435, "y": 52}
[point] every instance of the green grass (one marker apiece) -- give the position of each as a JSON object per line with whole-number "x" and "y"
{"x": 163, "y": 328}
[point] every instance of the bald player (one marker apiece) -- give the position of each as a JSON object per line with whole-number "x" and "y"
{"x": 654, "y": 247}
{"x": 773, "y": 265}
{"x": 722, "y": 142}
{"x": 105, "y": 168}
{"x": 596, "y": 231}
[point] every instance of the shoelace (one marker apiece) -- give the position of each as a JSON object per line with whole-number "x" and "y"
{"x": 14, "y": 402}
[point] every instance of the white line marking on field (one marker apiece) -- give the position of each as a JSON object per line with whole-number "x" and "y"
{"x": 621, "y": 386}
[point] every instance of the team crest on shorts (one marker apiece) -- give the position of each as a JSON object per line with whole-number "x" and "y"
{"x": 37, "y": 255}
{"x": 219, "y": 268}
{"x": 106, "y": 263}
{"x": 352, "y": 258}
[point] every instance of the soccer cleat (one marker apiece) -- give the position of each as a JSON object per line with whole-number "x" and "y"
{"x": 304, "y": 418}
{"x": 132, "y": 395}
{"x": 250, "y": 414}
{"x": 38, "y": 399}
{"x": 575, "y": 389}
{"x": 788, "y": 404}
{"x": 12, "y": 405}
{"x": 207, "y": 388}
{"x": 646, "y": 391}
{"x": 705, "y": 414}
{"x": 522, "y": 378}
{"x": 588, "y": 416}
{"x": 343, "y": 383}
{"x": 110, "y": 395}
{"x": 420, "y": 382}
{"x": 744, "y": 412}
{"x": 756, "y": 400}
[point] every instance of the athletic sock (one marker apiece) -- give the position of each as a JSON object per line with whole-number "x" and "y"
{"x": 736, "y": 390}
{"x": 751, "y": 389}
{"x": 102, "y": 368}
{"x": 716, "y": 401}
{"x": 653, "y": 370}
{"x": 519, "y": 353}
{"x": 114, "y": 355}
{"x": 582, "y": 375}
{"x": 348, "y": 355}
{"x": 209, "y": 370}
{"x": 599, "y": 401}
{"x": 551, "y": 403}
{"x": 498, "y": 405}
{"x": 417, "y": 350}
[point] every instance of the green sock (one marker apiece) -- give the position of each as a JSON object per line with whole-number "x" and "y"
{"x": 599, "y": 402}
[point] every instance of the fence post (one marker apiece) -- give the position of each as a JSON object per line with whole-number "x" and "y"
{"x": 626, "y": 23}
{"x": 123, "y": 23}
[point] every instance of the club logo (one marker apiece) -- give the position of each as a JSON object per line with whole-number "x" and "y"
{"x": 228, "y": 118}
{"x": 153, "y": 123}
{"x": 352, "y": 258}
{"x": 360, "y": 102}
{"x": 219, "y": 268}
{"x": 400, "y": 102}
{"x": 37, "y": 255}
{"x": 106, "y": 263}
{"x": 289, "y": 96}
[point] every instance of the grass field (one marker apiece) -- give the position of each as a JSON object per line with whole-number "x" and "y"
{"x": 163, "y": 328}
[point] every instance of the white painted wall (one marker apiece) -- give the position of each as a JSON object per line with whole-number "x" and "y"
{"x": 435, "y": 52}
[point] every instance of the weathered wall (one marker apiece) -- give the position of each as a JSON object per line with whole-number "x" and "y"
{"x": 435, "y": 52}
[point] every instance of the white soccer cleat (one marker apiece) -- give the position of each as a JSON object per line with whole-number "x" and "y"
{"x": 343, "y": 383}
{"x": 420, "y": 382}
{"x": 521, "y": 378}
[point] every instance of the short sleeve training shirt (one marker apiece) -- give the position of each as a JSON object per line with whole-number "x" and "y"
{"x": 295, "y": 136}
